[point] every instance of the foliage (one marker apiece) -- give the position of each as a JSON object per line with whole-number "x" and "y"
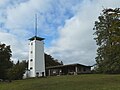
{"x": 69, "y": 82}
{"x": 108, "y": 39}
{"x": 5, "y": 63}
{"x": 50, "y": 61}
{"x": 17, "y": 71}
{"x": 11, "y": 71}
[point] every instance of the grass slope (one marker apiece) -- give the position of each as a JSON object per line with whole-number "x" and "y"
{"x": 76, "y": 82}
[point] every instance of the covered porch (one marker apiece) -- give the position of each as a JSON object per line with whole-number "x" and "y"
{"x": 71, "y": 69}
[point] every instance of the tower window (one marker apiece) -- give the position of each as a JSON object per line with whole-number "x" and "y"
{"x": 31, "y": 68}
{"x": 31, "y": 52}
{"x": 31, "y": 60}
{"x": 31, "y": 43}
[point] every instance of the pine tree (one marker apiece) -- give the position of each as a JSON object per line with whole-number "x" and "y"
{"x": 108, "y": 39}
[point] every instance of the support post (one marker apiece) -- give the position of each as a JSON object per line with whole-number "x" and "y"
{"x": 49, "y": 72}
{"x": 76, "y": 70}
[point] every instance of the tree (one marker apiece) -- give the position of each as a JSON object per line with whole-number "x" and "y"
{"x": 17, "y": 71}
{"x": 108, "y": 41}
{"x": 5, "y": 63}
{"x": 50, "y": 61}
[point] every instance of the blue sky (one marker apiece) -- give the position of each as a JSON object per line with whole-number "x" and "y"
{"x": 67, "y": 26}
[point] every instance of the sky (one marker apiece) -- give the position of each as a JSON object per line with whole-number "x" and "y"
{"x": 66, "y": 25}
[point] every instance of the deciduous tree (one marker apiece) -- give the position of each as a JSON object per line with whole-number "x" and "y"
{"x": 108, "y": 40}
{"x": 17, "y": 71}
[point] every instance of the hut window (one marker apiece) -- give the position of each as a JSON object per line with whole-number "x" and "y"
{"x": 84, "y": 69}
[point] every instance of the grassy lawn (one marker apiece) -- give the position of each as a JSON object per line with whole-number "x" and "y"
{"x": 72, "y": 82}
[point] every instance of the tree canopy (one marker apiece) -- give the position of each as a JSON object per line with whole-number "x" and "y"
{"x": 5, "y": 63}
{"x": 17, "y": 71}
{"x": 50, "y": 61}
{"x": 107, "y": 31}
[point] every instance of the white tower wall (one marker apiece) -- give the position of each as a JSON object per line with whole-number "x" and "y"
{"x": 36, "y": 58}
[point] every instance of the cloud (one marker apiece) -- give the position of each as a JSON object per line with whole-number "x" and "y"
{"x": 75, "y": 43}
{"x": 66, "y": 25}
{"x": 19, "y": 48}
{"x": 17, "y": 24}
{"x": 50, "y": 15}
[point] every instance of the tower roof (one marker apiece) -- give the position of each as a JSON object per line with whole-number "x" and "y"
{"x": 36, "y": 38}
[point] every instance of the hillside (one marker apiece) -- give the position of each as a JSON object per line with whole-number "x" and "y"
{"x": 76, "y": 82}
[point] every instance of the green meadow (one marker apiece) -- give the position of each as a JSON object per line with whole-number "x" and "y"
{"x": 70, "y": 82}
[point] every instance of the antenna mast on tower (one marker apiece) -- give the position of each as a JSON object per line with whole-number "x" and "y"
{"x": 36, "y": 25}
